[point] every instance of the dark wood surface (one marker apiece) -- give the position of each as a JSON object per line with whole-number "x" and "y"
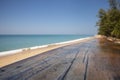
{"x": 96, "y": 59}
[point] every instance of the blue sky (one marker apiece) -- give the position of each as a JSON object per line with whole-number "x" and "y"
{"x": 49, "y": 16}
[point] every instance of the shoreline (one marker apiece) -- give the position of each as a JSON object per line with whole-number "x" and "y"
{"x": 13, "y": 56}
{"x": 10, "y": 52}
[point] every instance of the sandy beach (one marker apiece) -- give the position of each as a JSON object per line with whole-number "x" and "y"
{"x": 26, "y": 53}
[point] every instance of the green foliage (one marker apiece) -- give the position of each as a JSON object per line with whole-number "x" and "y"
{"x": 109, "y": 21}
{"x": 116, "y": 31}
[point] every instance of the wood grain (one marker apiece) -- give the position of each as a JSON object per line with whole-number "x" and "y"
{"x": 96, "y": 59}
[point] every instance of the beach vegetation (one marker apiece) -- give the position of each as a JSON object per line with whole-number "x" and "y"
{"x": 109, "y": 20}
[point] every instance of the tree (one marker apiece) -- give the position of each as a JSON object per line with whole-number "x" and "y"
{"x": 109, "y": 20}
{"x": 114, "y": 4}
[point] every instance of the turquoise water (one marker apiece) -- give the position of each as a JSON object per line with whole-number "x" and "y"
{"x": 12, "y": 42}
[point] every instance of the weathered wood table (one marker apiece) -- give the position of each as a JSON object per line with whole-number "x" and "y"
{"x": 92, "y": 60}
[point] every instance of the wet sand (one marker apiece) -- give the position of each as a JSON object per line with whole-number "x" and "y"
{"x": 95, "y": 59}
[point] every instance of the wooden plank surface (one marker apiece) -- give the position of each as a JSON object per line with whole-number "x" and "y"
{"x": 96, "y": 59}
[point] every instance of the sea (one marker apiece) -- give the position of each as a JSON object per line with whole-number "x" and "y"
{"x": 13, "y": 42}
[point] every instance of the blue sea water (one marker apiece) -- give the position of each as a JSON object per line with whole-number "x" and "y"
{"x": 12, "y": 42}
